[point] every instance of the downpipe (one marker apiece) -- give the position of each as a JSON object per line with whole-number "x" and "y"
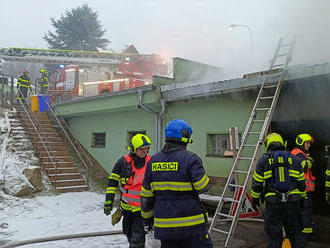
{"x": 158, "y": 118}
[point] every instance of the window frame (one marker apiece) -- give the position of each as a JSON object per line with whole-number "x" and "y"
{"x": 93, "y": 138}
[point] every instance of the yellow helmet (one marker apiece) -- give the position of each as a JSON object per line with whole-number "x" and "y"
{"x": 273, "y": 138}
{"x": 140, "y": 140}
{"x": 303, "y": 137}
{"x": 43, "y": 71}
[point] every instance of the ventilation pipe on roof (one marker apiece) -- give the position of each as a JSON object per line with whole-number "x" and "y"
{"x": 158, "y": 119}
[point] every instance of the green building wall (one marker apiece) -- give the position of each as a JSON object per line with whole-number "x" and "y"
{"x": 212, "y": 115}
{"x": 115, "y": 125}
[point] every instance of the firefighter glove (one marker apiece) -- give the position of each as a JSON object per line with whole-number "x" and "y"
{"x": 255, "y": 202}
{"x": 327, "y": 197}
{"x": 108, "y": 205}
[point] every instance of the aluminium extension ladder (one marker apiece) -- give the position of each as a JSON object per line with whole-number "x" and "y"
{"x": 223, "y": 222}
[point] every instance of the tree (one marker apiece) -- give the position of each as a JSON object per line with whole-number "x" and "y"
{"x": 78, "y": 29}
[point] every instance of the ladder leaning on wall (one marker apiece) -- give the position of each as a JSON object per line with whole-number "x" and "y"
{"x": 223, "y": 222}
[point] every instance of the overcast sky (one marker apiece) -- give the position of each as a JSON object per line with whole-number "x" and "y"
{"x": 190, "y": 29}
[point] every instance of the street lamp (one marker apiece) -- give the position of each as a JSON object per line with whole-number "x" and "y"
{"x": 232, "y": 26}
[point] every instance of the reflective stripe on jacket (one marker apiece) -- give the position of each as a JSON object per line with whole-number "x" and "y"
{"x": 169, "y": 193}
{"x": 263, "y": 179}
{"x": 24, "y": 81}
{"x": 309, "y": 178}
{"x": 132, "y": 189}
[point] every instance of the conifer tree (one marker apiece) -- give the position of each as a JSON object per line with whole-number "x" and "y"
{"x": 78, "y": 29}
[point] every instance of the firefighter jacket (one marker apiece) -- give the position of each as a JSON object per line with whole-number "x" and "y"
{"x": 24, "y": 81}
{"x": 174, "y": 178}
{"x": 44, "y": 80}
{"x": 128, "y": 172}
{"x": 306, "y": 163}
{"x": 263, "y": 179}
{"x": 327, "y": 177}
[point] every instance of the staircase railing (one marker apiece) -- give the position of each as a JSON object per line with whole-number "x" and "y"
{"x": 70, "y": 139}
{"x": 37, "y": 130}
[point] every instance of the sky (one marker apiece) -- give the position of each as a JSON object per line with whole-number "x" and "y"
{"x": 191, "y": 29}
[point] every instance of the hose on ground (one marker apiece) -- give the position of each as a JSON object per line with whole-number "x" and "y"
{"x": 61, "y": 237}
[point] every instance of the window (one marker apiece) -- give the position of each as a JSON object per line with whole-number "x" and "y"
{"x": 130, "y": 135}
{"x": 98, "y": 140}
{"x": 217, "y": 144}
{"x": 221, "y": 145}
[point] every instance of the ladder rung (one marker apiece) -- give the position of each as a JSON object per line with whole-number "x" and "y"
{"x": 259, "y": 120}
{"x": 285, "y": 45}
{"x": 262, "y": 109}
{"x": 282, "y": 54}
{"x": 235, "y": 185}
{"x": 266, "y": 97}
{"x": 226, "y": 215}
{"x": 238, "y": 171}
{"x": 254, "y": 132}
{"x": 270, "y": 86}
{"x": 220, "y": 231}
{"x": 250, "y": 145}
{"x": 244, "y": 158}
{"x": 278, "y": 65}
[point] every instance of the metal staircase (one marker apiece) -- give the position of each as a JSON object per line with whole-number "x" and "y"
{"x": 224, "y": 222}
{"x": 53, "y": 152}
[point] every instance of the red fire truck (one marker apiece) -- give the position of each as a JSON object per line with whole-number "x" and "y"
{"x": 131, "y": 71}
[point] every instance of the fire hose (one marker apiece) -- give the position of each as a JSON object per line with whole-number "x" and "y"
{"x": 61, "y": 237}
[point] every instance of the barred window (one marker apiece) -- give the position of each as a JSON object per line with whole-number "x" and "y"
{"x": 98, "y": 140}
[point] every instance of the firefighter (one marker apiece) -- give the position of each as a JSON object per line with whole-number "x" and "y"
{"x": 327, "y": 181}
{"x": 23, "y": 85}
{"x": 43, "y": 82}
{"x": 304, "y": 142}
{"x": 129, "y": 171}
{"x": 169, "y": 195}
{"x": 280, "y": 178}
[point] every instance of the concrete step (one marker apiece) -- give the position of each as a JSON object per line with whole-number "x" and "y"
{"x": 49, "y": 138}
{"x": 72, "y": 188}
{"x": 44, "y": 134}
{"x": 41, "y": 148}
{"x": 65, "y": 176}
{"x": 41, "y": 129}
{"x": 56, "y": 158}
{"x": 61, "y": 164}
{"x": 71, "y": 182}
{"x": 53, "y": 153}
{"x": 62, "y": 170}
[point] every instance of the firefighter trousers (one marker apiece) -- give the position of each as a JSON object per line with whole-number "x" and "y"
{"x": 285, "y": 215}
{"x": 192, "y": 242}
{"x": 22, "y": 93}
{"x": 133, "y": 229}
{"x": 307, "y": 215}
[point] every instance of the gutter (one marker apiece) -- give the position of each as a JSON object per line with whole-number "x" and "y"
{"x": 158, "y": 119}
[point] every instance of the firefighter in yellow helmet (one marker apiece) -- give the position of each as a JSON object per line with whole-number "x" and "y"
{"x": 304, "y": 142}
{"x": 280, "y": 177}
{"x": 129, "y": 173}
{"x": 327, "y": 179}
{"x": 43, "y": 82}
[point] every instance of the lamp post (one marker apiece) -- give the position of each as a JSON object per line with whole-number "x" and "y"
{"x": 232, "y": 26}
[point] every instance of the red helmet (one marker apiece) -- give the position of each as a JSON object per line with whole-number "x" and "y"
{"x": 25, "y": 71}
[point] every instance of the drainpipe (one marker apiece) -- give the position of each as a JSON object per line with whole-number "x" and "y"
{"x": 159, "y": 122}
{"x": 147, "y": 109}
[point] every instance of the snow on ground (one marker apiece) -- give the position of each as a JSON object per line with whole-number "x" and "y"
{"x": 67, "y": 213}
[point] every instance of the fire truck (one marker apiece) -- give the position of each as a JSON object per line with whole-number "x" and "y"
{"x": 132, "y": 70}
